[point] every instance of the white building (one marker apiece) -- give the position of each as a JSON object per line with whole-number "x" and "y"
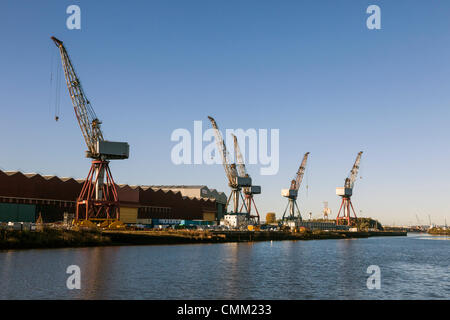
{"x": 234, "y": 220}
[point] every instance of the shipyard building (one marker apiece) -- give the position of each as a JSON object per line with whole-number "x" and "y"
{"x": 24, "y": 197}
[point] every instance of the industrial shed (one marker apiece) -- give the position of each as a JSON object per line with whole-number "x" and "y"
{"x": 23, "y": 197}
{"x": 199, "y": 192}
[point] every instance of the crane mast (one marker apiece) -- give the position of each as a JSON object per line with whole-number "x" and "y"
{"x": 294, "y": 215}
{"x": 98, "y": 199}
{"x": 345, "y": 193}
{"x": 248, "y": 191}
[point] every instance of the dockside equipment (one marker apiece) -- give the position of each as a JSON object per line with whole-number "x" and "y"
{"x": 98, "y": 200}
{"x": 346, "y": 193}
{"x": 294, "y": 214}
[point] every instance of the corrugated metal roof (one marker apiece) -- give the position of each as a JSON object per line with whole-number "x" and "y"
{"x": 177, "y": 186}
{"x": 164, "y": 188}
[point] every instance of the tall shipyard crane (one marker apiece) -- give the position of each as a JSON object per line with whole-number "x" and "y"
{"x": 292, "y": 193}
{"x": 248, "y": 191}
{"x": 345, "y": 193}
{"x": 235, "y": 181}
{"x": 98, "y": 200}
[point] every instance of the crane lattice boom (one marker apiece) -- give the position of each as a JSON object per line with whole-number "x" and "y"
{"x": 295, "y": 184}
{"x": 230, "y": 169}
{"x": 240, "y": 165}
{"x": 350, "y": 181}
{"x": 87, "y": 120}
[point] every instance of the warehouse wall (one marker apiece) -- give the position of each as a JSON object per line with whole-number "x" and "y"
{"x": 167, "y": 204}
{"x": 11, "y": 212}
{"x": 128, "y": 215}
{"x": 53, "y": 213}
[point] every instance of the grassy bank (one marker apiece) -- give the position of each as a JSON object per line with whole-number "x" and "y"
{"x": 179, "y": 236}
{"x": 439, "y": 231}
{"x": 51, "y": 238}
{"x": 59, "y": 238}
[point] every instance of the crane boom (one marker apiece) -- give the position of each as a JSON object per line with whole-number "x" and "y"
{"x": 350, "y": 181}
{"x": 87, "y": 119}
{"x": 240, "y": 160}
{"x": 295, "y": 184}
{"x": 230, "y": 169}
{"x": 418, "y": 220}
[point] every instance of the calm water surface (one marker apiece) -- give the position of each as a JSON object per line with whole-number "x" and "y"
{"x": 413, "y": 267}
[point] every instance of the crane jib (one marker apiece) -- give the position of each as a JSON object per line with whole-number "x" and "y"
{"x": 89, "y": 124}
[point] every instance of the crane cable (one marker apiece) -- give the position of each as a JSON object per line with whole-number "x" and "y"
{"x": 55, "y": 86}
{"x": 50, "y": 102}
{"x": 58, "y": 92}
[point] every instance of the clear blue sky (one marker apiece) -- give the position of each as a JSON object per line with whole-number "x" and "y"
{"x": 309, "y": 68}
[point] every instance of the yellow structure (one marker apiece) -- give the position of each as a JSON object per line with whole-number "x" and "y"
{"x": 270, "y": 217}
{"x": 116, "y": 225}
{"x": 128, "y": 215}
{"x": 85, "y": 224}
{"x": 209, "y": 216}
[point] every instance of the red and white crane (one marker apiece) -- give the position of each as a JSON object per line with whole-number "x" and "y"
{"x": 98, "y": 199}
{"x": 292, "y": 193}
{"x": 346, "y": 193}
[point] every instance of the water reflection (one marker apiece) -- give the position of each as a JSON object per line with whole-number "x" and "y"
{"x": 412, "y": 268}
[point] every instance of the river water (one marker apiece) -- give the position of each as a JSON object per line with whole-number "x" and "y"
{"x": 413, "y": 267}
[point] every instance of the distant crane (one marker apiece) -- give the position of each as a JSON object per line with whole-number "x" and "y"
{"x": 345, "y": 193}
{"x": 418, "y": 220}
{"x": 235, "y": 182}
{"x": 326, "y": 210}
{"x": 98, "y": 200}
{"x": 248, "y": 191}
{"x": 292, "y": 193}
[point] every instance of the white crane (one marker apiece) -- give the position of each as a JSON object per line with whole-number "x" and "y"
{"x": 235, "y": 181}
{"x": 326, "y": 210}
{"x": 249, "y": 202}
{"x": 292, "y": 193}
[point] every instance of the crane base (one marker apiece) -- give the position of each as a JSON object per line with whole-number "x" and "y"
{"x": 346, "y": 218}
{"x": 98, "y": 210}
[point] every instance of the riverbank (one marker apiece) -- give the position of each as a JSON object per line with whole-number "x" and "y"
{"x": 59, "y": 238}
{"x": 439, "y": 231}
{"x": 51, "y": 238}
{"x": 179, "y": 237}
